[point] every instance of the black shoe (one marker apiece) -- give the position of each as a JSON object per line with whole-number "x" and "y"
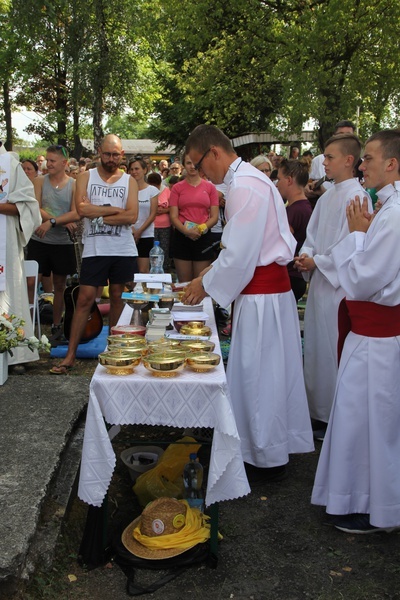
{"x": 319, "y": 430}
{"x": 359, "y": 524}
{"x": 264, "y": 475}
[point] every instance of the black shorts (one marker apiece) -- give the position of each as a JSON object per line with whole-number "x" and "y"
{"x": 184, "y": 248}
{"x": 144, "y": 246}
{"x": 53, "y": 258}
{"x": 102, "y": 270}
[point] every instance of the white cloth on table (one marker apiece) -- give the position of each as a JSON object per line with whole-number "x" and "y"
{"x": 359, "y": 466}
{"x": 264, "y": 372}
{"x": 188, "y": 400}
{"x": 19, "y": 230}
{"x": 328, "y": 225}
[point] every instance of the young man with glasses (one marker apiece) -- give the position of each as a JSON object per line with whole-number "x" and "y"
{"x": 51, "y": 245}
{"x": 107, "y": 199}
{"x": 265, "y": 374}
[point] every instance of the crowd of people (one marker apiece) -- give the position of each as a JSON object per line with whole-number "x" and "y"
{"x": 256, "y": 237}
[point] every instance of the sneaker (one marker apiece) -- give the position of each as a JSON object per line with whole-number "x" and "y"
{"x": 358, "y": 523}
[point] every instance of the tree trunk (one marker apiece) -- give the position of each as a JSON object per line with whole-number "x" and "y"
{"x": 7, "y": 116}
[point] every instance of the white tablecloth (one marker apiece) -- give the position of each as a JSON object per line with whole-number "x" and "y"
{"x": 188, "y": 400}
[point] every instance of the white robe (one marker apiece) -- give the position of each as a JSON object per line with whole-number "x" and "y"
{"x": 19, "y": 230}
{"x": 328, "y": 225}
{"x": 265, "y": 365}
{"x": 359, "y": 466}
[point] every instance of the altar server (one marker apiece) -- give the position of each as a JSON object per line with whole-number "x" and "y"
{"x": 19, "y": 217}
{"x": 358, "y": 474}
{"x": 265, "y": 365}
{"x": 328, "y": 225}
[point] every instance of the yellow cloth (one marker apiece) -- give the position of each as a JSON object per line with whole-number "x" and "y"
{"x": 195, "y": 531}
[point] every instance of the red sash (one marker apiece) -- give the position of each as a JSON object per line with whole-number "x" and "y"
{"x": 270, "y": 279}
{"x": 367, "y": 318}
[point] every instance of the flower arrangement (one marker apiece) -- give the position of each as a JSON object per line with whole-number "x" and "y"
{"x": 12, "y": 335}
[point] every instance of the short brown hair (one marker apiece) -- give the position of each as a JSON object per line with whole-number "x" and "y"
{"x": 298, "y": 169}
{"x": 205, "y": 136}
{"x": 389, "y": 139}
{"x": 349, "y": 144}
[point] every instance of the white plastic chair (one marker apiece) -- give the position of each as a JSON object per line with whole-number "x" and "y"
{"x": 32, "y": 270}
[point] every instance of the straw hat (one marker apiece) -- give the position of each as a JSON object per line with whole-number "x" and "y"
{"x": 161, "y": 517}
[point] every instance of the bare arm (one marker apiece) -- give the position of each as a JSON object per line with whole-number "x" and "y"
{"x": 194, "y": 234}
{"x": 129, "y": 214}
{"x": 8, "y": 209}
{"x": 137, "y": 233}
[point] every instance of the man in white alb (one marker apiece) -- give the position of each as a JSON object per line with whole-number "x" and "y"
{"x": 264, "y": 372}
{"x": 358, "y": 475}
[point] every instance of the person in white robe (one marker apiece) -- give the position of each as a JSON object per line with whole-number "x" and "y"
{"x": 358, "y": 473}
{"x": 264, "y": 371}
{"x": 327, "y": 225}
{"x": 20, "y": 216}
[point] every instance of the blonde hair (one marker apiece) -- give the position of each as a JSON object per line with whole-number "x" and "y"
{"x": 259, "y": 160}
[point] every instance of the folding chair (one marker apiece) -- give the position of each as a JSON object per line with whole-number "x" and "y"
{"x": 32, "y": 270}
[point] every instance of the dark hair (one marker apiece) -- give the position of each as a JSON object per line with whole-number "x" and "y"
{"x": 32, "y": 162}
{"x": 205, "y": 136}
{"x": 58, "y": 149}
{"x": 142, "y": 163}
{"x": 174, "y": 179}
{"x": 298, "y": 169}
{"x": 389, "y": 140}
{"x": 349, "y": 144}
{"x": 154, "y": 179}
{"x": 345, "y": 124}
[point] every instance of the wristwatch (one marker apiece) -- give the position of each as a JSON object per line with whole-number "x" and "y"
{"x": 53, "y": 222}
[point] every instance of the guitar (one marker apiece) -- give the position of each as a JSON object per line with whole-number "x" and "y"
{"x": 94, "y": 323}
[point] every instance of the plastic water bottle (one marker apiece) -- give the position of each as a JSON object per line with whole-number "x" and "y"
{"x": 156, "y": 258}
{"x": 193, "y": 481}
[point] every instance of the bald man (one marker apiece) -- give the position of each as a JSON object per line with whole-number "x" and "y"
{"x": 107, "y": 199}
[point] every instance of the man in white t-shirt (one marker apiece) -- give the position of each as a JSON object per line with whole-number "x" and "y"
{"x": 107, "y": 198}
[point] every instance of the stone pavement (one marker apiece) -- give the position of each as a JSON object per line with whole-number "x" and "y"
{"x": 40, "y": 448}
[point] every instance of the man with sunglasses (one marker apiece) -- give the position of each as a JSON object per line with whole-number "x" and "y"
{"x": 51, "y": 245}
{"x": 107, "y": 199}
{"x": 265, "y": 375}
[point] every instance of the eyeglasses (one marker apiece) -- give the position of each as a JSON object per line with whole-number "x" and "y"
{"x": 114, "y": 155}
{"x": 63, "y": 150}
{"x": 197, "y": 166}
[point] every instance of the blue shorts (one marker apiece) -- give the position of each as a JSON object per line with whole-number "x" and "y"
{"x": 102, "y": 270}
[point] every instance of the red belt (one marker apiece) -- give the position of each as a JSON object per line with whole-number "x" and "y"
{"x": 367, "y": 318}
{"x": 271, "y": 279}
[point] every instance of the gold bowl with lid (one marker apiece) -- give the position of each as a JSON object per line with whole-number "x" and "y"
{"x": 126, "y": 341}
{"x": 164, "y": 364}
{"x": 203, "y": 361}
{"x": 195, "y": 328}
{"x": 118, "y": 362}
{"x": 198, "y": 345}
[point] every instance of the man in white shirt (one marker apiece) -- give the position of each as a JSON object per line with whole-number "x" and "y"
{"x": 108, "y": 200}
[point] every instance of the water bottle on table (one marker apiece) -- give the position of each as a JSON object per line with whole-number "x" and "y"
{"x": 193, "y": 481}
{"x": 156, "y": 256}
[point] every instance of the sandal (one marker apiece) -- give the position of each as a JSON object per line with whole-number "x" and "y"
{"x": 61, "y": 369}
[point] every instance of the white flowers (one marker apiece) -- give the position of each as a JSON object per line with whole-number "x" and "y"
{"x": 12, "y": 335}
